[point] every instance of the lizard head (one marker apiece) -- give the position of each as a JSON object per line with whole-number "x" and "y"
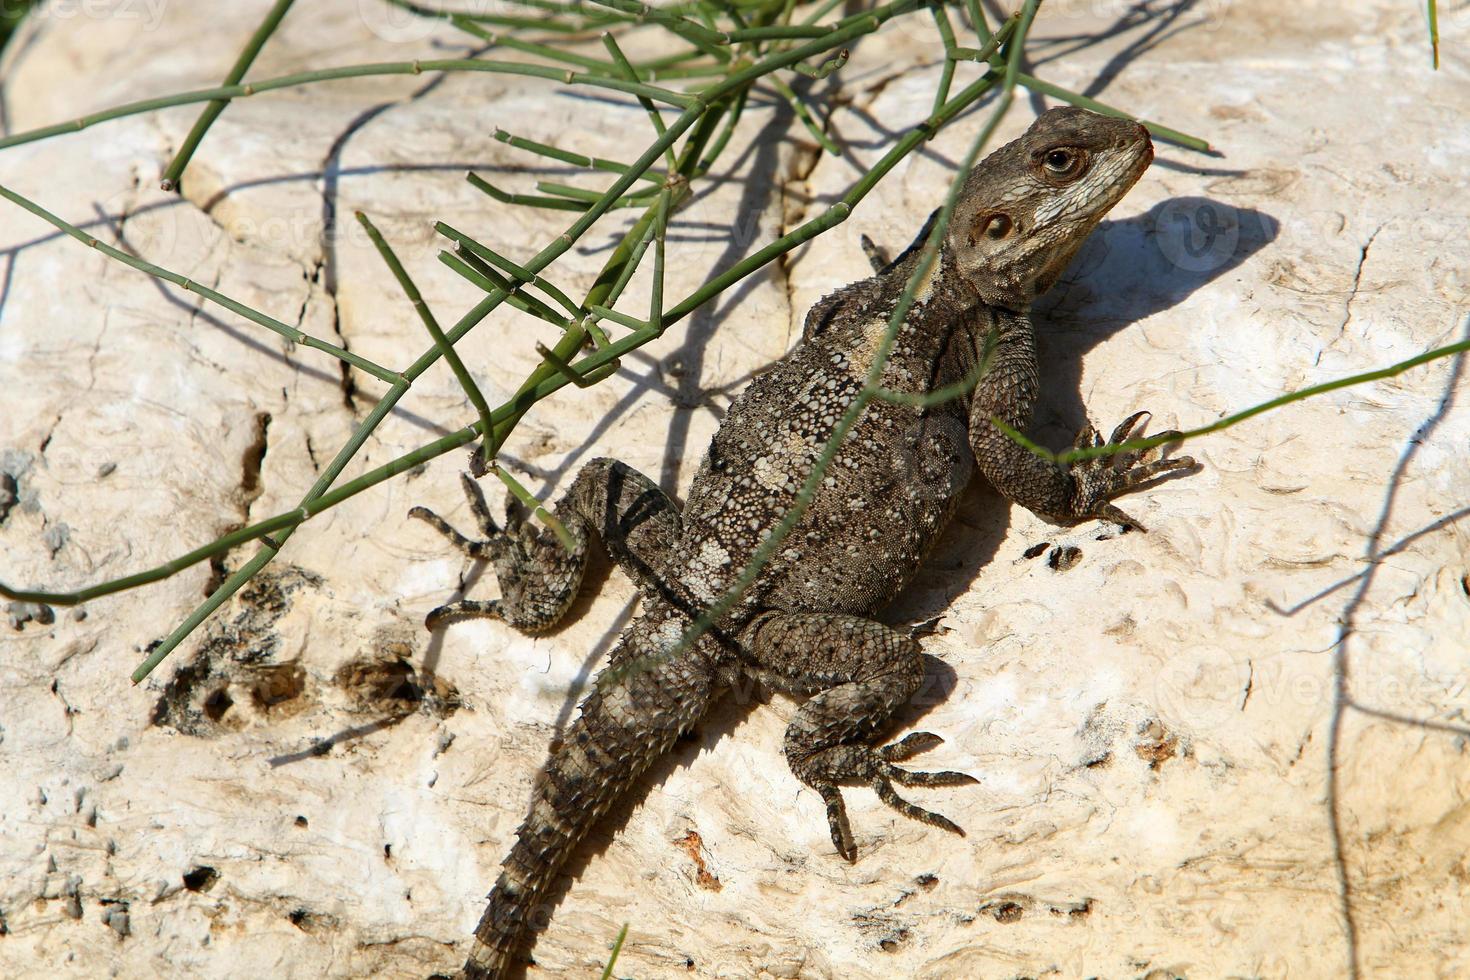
{"x": 1026, "y": 209}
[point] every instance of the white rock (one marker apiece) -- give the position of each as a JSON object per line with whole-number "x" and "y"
{"x": 1151, "y": 727}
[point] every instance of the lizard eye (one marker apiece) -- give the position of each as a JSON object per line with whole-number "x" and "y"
{"x": 1063, "y": 162}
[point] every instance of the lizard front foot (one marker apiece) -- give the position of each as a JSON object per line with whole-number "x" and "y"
{"x": 875, "y": 767}
{"x": 1099, "y": 479}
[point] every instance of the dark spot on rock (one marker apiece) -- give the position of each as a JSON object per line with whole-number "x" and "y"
{"x": 890, "y": 943}
{"x": 1157, "y": 744}
{"x": 115, "y": 914}
{"x": 1035, "y": 549}
{"x": 1098, "y": 762}
{"x": 300, "y": 821}
{"x": 276, "y": 684}
{"x": 21, "y": 613}
{"x": 1064, "y": 558}
{"x": 1079, "y": 912}
{"x": 1006, "y": 912}
{"x": 201, "y": 879}
{"x": 218, "y": 702}
{"x": 927, "y": 881}
{"x": 9, "y": 495}
{"x": 386, "y": 681}
{"x": 309, "y": 921}
{"x": 237, "y": 651}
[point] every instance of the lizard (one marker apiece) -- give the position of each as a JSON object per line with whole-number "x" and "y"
{"x": 805, "y": 626}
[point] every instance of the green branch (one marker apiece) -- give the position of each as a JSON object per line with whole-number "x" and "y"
{"x": 211, "y": 112}
{"x": 291, "y": 333}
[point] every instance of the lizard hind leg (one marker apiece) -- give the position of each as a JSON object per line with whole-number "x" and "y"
{"x": 858, "y": 673}
{"x": 538, "y": 576}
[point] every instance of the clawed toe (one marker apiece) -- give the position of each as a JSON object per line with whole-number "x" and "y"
{"x": 890, "y": 796}
{"x": 464, "y": 608}
{"x": 1124, "y": 430}
{"x": 910, "y": 746}
{"x": 837, "y": 822}
{"x": 949, "y": 777}
{"x": 876, "y": 768}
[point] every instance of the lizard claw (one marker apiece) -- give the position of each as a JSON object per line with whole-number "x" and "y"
{"x": 1102, "y": 478}
{"x": 876, "y": 768}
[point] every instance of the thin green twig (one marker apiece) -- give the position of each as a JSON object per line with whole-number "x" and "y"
{"x": 183, "y": 282}
{"x": 803, "y": 114}
{"x": 528, "y": 200}
{"x": 520, "y": 273}
{"x": 416, "y": 300}
{"x": 1434, "y": 32}
{"x": 417, "y": 67}
{"x": 622, "y": 62}
{"x": 479, "y": 272}
{"x": 567, "y": 156}
{"x": 617, "y": 948}
{"x": 535, "y": 506}
{"x": 946, "y": 72}
{"x": 212, "y": 110}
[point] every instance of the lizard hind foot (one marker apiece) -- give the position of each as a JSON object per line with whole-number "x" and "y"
{"x": 538, "y": 576}
{"x": 875, "y": 768}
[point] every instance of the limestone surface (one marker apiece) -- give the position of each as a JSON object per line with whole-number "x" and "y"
{"x": 1238, "y": 745}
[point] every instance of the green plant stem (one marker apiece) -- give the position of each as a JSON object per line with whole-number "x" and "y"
{"x": 617, "y": 948}
{"x": 1433, "y": 13}
{"x": 946, "y": 72}
{"x": 416, "y": 300}
{"x": 588, "y": 21}
{"x": 654, "y": 117}
{"x": 529, "y": 200}
{"x": 536, "y": 508}
{"x": 713, "y": 43}
{"x": 637, "y": 199}
{"x": 479, "y": 273}
{"x": 270, "y": 323}
{"x": 240, "y": 91}
{"x": 567, "y": 156}
{"x": 211, "y": 112}
{"x": 824, "y": 69}
{"x": 1162, "y": 132}
{"x": 520, "y": 274}
{"x": 805, "y": 116}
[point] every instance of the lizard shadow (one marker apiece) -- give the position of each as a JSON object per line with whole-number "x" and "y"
{"x": 1131, "y": 269}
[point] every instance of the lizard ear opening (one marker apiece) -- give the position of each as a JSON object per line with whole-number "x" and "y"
{"x": 994, "y": 225}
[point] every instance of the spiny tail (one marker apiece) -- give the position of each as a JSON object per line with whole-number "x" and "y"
{"x": 632, "y": 717}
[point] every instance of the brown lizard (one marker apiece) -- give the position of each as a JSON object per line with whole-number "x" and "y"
{"x": 805, "y": 626}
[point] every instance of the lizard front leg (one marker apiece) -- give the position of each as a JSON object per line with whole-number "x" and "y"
{"x": 858, "y": 673}
{"x": 1074, "y": 492}
{"x": 538, "y": 576}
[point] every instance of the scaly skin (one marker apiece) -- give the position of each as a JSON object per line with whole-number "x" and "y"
{"x": 804, "y": 627}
